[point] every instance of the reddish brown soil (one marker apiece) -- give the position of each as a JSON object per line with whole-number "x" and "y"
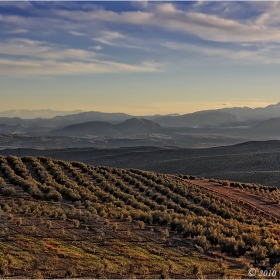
{"x": 251, "y": 202}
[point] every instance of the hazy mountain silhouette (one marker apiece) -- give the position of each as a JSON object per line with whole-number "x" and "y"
{"x": 132, "y": 126}
{"x": 200, "y": 129}
{"x": 95, "y": 128}
{"x": 15, "y": 128}
{"x": 31, "y": 114}
{"x": 11, "y": 121}
{"x": 91, "y": 116}
{"x": 271, "y": 127}
{"x": 257, "y": 114}
{"x": 205, "y": 118}
{"x": 137, "y": 126}
{"x": 200, "y": 119}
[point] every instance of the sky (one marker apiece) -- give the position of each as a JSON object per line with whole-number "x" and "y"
{"x": 139, "y": 57}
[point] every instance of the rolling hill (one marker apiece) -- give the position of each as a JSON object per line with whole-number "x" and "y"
{"x": 254, "y": 161}
{"x": 69, "y": 219}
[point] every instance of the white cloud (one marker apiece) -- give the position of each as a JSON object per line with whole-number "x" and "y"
{"x": 254, "y": 31}
{"x": 52, "y": 67}
{"x": 42, "y": 50}
{"x": 98, "y": 48}
{"x": 167, "y": 16}
{"x": 16, "y": 4}
{"x": 140, "y": 4}
{"x": 107, "y": 37}
{"x": 117, "y": 39}
{"x": 17, "y": 31}
{"x": 262, "y": 55}
{"x": 12, "y": 19}
{"x": 166, "y": 8}
{"x": 75, "y": 33}
{"x": 28, "y": 57}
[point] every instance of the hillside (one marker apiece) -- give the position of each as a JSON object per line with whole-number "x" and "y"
{"x": 255, "y": 161}
{"x": 68, "y": 219}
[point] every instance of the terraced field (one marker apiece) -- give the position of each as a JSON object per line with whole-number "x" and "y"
{"x": 68, "y": 219}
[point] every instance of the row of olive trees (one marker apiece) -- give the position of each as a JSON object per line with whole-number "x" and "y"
{"x": 194, "y": 230}
{"x": 150, "y": 198}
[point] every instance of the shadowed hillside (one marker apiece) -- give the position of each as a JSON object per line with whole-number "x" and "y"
{"x": 255, "y": 161}
{"x": 62, "y": 219}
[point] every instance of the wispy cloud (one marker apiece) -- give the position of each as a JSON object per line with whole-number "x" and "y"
{"x": 17, "y": 31}
{"x": 108, "y": 38}
{"x": 52, "y": 67}
{"x": 108, "y": 27}
{"x": 28, "y": 57}
{"x": 167, "y": 16}
{"x": 261, "y": 55}
{"x": 208, "y": 26}
{"x": 42, "y": 50}
{"x": 117, "y": 39}
{"x": 98, "y": 48}
{"x": 76, "y": 33}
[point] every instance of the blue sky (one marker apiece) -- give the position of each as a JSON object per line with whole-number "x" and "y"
{"x": 139, "y": 57}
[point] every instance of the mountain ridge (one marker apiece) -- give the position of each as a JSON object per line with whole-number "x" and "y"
{"x": 133, "y": 126}
{"x": 212, "y": 117}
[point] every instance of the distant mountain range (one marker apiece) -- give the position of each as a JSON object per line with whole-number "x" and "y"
{"x": 257, "y": 114}
{"x": 200, "y": 129}
{"x": 198, "y": 119}
{"x": 31, "y": 114}
{"x": 205, "y": 118}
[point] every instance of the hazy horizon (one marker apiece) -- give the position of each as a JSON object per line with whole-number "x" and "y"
{"x": 140, "y": 58}
{"x": 51, "y": 112}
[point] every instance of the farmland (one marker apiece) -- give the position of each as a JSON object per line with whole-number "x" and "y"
{"x": 69, "y": 219}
